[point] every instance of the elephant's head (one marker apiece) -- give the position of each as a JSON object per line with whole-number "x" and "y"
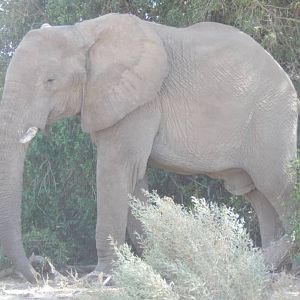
{"x": 101, "y": 69}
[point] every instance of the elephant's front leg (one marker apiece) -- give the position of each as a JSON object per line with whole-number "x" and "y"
{"x": 134, "y": 226}
{"x": 114, "y": 183}
{"x": 122, "y": 155}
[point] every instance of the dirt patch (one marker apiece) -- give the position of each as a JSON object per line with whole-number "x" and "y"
{"x": 284, "y": 287}
{"x": 14, "y": 287}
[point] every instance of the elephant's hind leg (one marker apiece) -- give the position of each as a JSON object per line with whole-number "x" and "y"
{"x": 270, "y": 225}
{"x": 238, "y": 182}
{"x": 271, "y": 201}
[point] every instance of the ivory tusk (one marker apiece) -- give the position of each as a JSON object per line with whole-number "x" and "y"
{"x": 29, "y": 135}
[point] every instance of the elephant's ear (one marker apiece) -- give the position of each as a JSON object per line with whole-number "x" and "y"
{"x": 126, "y": 67}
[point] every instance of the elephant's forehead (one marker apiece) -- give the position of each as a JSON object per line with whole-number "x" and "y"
{"x": 32, "y": 54}
{"x": 45, "y": 41}
{"x": 30, "y": 61}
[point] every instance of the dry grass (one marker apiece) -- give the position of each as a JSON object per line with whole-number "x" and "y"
{"x": 285, "y": 287}
{"x": 66, "y": 288}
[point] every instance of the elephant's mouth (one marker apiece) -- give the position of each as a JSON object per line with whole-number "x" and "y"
{"x": 54, "y": 115}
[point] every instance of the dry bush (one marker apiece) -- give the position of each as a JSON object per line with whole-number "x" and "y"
{"x": 203, "y": 253}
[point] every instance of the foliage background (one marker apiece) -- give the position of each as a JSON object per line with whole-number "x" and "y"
{"x": 59, "y": 199}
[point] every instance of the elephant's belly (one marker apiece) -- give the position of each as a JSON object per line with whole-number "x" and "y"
{"x": 188, "y": 161}
{"x": 199, "y": 134}
{"x": 236, "y": 180}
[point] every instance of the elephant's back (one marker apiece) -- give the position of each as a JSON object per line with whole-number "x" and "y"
{"x": 204, "y": 33}
{"x": 221, "y": 45}
{"x": 212, "y": 28}
{"x": 210, "y": 58}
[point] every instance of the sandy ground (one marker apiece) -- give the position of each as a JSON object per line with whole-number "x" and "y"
{"x": 14, "y": 288}
{"x": 286, "y": 287}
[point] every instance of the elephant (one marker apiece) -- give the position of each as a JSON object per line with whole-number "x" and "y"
{"x": 204, "y": 99}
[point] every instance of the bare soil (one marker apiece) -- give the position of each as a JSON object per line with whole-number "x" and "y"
{"x": 14, "y": 287}
{"x": 284, "y": 287}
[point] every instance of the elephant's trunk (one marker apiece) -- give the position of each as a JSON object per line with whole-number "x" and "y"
{"x": 12, "y": 155}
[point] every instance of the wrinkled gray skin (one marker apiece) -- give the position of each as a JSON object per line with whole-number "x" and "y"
{"x": 206, "y": 99}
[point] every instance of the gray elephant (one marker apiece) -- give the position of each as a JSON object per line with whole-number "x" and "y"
{"x": 206, "y": 99}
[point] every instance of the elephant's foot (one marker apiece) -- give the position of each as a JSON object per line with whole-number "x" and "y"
{"x": 98, "y": 277}
{"x": 45, "y": 268}
{"x": 30, "y": 275}
{"x": 277, "y": 256}
{"x": 102, "y": 273}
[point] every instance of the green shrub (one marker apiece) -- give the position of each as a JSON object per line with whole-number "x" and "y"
{"x": 203, "y": 253}
{"x": 4, "y": 261}
{"x": 59, "y": 198}
{"x": 294, "y": 216}
{"x": 46, "y": 243}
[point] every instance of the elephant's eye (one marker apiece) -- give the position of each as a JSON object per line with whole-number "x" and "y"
{"x": 49, "y": 83}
